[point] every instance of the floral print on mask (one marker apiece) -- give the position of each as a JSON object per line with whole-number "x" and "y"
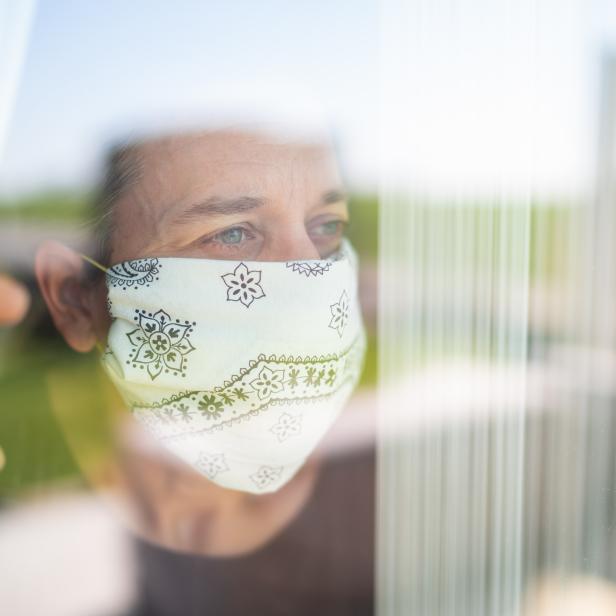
{"x": 210, "y": 464}
{"x": 210, "y": 407}
{"x": 268, "y": 382}
{"x": 160, "y": 344}
{"x": 243, "y": 285}
{"x": 310, "y": 268}
{"x": 264, "y": 383}
{"x": 266, "y": 475}
{"x": 340, "y": 314}
{"x": 288, "y": 425}
{"x": 136, "y": 273}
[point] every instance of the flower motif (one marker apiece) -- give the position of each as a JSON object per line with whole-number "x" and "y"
{"x": 320, "y": 376}
{"x": 226, "y": 398}
{"x": 210, "y": 464}
{"x": 169, "y": 413}
{"x": 210, "y": 407}
{"x": 240, "y": 394}
{"x": 185, "y": 412}
{"x": 309, "y": 378}
{"x": 340, "y": 314}
{"x": 243, "y": 285}
{"x": 293, "y": 377}
{"x": 288, "y": 425}
{"x": 160, "y": 343}
{"x": 266, "y": 475}
{"x": 268, "y": 382}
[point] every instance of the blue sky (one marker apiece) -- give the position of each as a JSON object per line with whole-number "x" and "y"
{"x": 95, "y": 69}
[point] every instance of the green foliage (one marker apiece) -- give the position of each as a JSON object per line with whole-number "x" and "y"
{"x": 36, "y": 452}
{"x": 52, "y": 206}
{"x": 364, "y": 224}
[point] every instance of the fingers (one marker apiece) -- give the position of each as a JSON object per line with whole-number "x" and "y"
{"x": 14, "y": 301}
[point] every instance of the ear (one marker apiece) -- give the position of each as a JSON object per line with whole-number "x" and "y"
{"x": 69, "y": 298}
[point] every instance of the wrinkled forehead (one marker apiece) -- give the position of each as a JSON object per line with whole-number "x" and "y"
{"x": 230, "y": 163}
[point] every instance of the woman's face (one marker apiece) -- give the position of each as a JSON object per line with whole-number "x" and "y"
{"x": 231, "y": 196}
{"x": 221, "y": 195}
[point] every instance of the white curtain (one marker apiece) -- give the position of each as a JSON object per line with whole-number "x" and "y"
{"x": 497, "y": 331}
{"x": 15, "y": 20}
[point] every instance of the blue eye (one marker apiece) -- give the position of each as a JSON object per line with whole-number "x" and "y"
{"x": 331, "y": 228}
{"x": 231, "y": 236}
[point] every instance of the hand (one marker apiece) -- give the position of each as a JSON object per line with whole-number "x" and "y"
{"x": 14, "y": 301}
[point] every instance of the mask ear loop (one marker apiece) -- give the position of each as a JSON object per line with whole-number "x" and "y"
{"x": 99, "y": 346}
{"x": 96, "y": 264}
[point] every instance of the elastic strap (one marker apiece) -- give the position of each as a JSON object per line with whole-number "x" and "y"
{"x": 94, "y": 263}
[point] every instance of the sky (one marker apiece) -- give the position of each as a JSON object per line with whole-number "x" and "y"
{"x": 499, "y": 97}
{"x": 444, "y": 92}
{"x": 94, "y": 71}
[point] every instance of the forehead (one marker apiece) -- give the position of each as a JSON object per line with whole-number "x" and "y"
{"x": 228, "y": 163}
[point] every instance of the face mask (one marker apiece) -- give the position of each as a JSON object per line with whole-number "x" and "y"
{"x": 238, "y": 368}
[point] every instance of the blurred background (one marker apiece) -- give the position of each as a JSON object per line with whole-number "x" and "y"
{"x": 496, "y": 308}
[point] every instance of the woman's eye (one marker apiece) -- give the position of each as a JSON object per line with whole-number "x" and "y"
{"x": 241, "y": 240}
{"x": 333, "y": 227}
{"x": 230, "y": 236}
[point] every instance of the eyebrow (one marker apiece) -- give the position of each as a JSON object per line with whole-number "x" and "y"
{"x": 333, "y": 196}
{"x": 215, "y": 206}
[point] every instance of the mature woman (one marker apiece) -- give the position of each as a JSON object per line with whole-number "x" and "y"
{"x": 228, "y": 320}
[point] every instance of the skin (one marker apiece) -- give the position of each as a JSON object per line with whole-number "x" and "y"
{"x": 222, "y": 195}
{"x": 14, "y": 301}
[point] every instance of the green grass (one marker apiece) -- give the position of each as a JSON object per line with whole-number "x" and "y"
{"x": 34, "y": 447}
{"x": 55, "y": 206}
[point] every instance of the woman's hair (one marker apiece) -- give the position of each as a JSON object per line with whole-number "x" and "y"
{"x": 122, "y": 170}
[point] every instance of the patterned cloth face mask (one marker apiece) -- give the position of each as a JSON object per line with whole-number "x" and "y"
{"x": 238, "y": 368}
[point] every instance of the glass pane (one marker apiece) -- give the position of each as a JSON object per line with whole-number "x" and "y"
{"x": 188, "y": 201}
